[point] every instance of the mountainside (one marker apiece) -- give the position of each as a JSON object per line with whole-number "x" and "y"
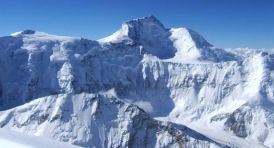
{"x": 142, "y": 86}
{"x": 98, "y": 120}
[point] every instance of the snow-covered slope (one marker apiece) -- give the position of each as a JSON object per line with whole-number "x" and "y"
{"x": 173, "y": 75}
{"x": 98, "y": 120}
{"x": 11, "y": 139}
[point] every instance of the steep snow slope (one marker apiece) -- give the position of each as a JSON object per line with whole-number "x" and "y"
{"x": 98, "y": 120}
{"x": 174, "y": 75}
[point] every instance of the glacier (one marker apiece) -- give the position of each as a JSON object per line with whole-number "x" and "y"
{"x": 143, "y": 86}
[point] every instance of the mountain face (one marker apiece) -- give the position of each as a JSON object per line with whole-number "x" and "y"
{"x": 143, "y": 86}
{"x": 98, "y": 120}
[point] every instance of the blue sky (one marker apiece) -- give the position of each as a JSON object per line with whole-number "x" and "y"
{"x": 224, "y": 23}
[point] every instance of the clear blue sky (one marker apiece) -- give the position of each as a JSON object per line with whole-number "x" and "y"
{"x": 224, "y": 23}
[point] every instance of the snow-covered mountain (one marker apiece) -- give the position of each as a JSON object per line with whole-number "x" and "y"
{"x": 143, "y": 86}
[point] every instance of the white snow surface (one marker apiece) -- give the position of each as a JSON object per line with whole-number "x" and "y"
{"x": 170, "y": 74}
{"x": 12, "y": 139}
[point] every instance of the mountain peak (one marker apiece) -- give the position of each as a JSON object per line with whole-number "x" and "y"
{"x": 143, "y": 26}
{"x": 162, "y": 42}
{"x": 148, "y": 20}
{"x": 132, "y": 30}
{"x": 191, "y": 46}
{"x": 24, "y": 32}
{"x": 28, "y": 31}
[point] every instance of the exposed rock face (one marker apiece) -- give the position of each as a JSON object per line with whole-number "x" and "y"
{"x": 236, "y": 122}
